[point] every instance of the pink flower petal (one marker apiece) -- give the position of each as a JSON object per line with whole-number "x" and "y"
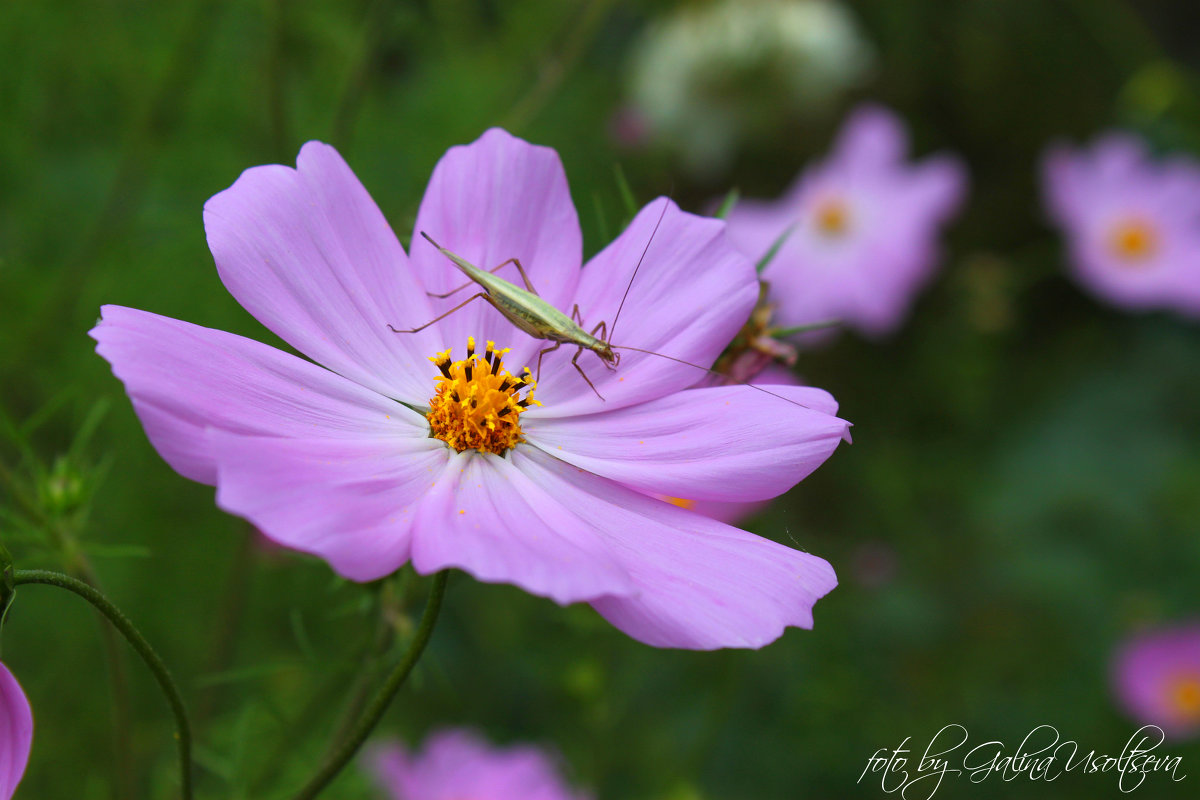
{"x": 690, "y": 297}
{"x": 351, "y": 502}
{"x": 1060, "y": 185}
{"x": 308, "y": 253}
{"x": 496, "y": 199}
{"x": 937, "y": 185}
{"x": 716, "y": 443}
{"x": 701, "y": 584}
{"x": 754, "y": 226}
{"x": 459, "y": 764}
{"x": 16, "y": 733}
{"x": 484, "y": 516}
{"x": 183, "y": 379}
{"x": 872, "y": 138}
{"x": 729, "y": 513}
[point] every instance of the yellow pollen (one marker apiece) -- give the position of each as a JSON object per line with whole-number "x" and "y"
{"x": 680, "y": 501}
{"x": 476, "y": 405}
{"x": 1184, "y": 693}
{"x": 1134, "y": 240}
{"x": 832, "y": 217}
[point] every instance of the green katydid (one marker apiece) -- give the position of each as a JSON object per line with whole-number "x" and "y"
{"x": 529, "y": 312}
{"x": 525, "y": 309}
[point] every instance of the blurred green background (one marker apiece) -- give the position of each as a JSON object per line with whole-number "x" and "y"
{"x": 1023, "y": 490}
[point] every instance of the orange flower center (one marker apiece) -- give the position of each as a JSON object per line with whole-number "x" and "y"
{"x": 1184, "y": 693}
{"x": 832, "y": 217}
{"x": 1134, "y": 241}
{"x": 477, "y": 405}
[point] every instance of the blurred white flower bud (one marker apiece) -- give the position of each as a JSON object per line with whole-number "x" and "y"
{"x": 708, "y": 78}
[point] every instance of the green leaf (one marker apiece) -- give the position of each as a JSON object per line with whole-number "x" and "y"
{"x": 779, "y": 333}
{"x": 601, "y": 219}
{"x": 627, "y": 196}
{"x": 727, "y": 204}
{"x": 774, "y": 248}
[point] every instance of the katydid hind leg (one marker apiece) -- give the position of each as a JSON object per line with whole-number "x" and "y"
{"x": 524, "y": 277}
{"x": 476, "y": 296}
{"x": 493, "y": 270}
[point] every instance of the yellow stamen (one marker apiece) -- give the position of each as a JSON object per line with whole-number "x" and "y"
{"x": 681, "y": 502}
{"x": 1184, "y": 692}
{"x": 832, "y": 217}
{"x": 476, "y": 405}
{"x": 1134, "y": 240}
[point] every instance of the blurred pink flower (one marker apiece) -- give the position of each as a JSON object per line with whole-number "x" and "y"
{"x": 457, "y": 765}
{"x": 1132, "y": 224}
{"x": 1156, "y": 677}
{"x": 383, "y": 458}
{"x": 16, "y": 733}
{"x": 864, "y": 228}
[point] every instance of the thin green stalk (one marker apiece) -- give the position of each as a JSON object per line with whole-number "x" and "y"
{"x": 229, "y": 622}
{"x": 556, "y": 66}
{"x": 80, "y": 567}
{"x": 349, "y": 102}
{"x": 183, "y": 733}
{"x": 381, "y": 640}
{"x": 292, "y": 737}
{"x": 346, "y": 751}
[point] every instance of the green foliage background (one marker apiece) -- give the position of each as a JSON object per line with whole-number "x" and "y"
{"x": 1023, "y": 491}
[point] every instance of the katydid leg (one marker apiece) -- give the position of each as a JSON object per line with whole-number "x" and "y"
{"x": 542, "y": 353}
{"x": 484, "y": 295}
{"x": 493, "y": 270}
{"x": 575, "y": 364}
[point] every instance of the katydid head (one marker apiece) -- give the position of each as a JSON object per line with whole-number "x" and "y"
{"x": 608, "y": 355}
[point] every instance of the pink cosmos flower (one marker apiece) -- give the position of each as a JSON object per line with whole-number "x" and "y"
{"x": 16, "y": 733}
{"x": 863, "y": 228}
{"x": 457, "y": 764}
{"x": 1132, "y": 224}
{"x": 1156, "y": 677}
{"x": 380, "y": 457}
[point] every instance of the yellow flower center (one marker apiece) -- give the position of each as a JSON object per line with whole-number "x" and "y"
{"x": 1184, "y": 692}
{"x": 832, "y": 217}
{"x": 477, "y": 405}
{"x": 681, "y": 502}
{"x": 1134, "y": 240}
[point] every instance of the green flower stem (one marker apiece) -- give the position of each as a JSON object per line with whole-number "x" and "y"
{"x": 375, "y": 710}
{"x": 119, "y": 621}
